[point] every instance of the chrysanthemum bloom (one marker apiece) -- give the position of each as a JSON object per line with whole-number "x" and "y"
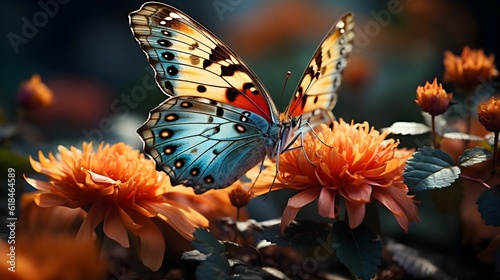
{"x": 468, "y": 70}
{"x": 120, "y": 187}
{"x": 432, "y": 98}
{"x": 34, "y": 93}
{"x": 357, "y": 164}
{"x": 489, "y": 114}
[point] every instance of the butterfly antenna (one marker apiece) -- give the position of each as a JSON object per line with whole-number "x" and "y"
{"x": 287, "y": 76}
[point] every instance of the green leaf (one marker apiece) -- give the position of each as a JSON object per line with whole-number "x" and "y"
{"x": 408, "y": 128}
{"x": 429, "y": 169}
{"x": 473, "y": 156}
{"x": 215, "y": 267}
{"x": 206, "y": 243}
{"x": 359, "y": 249}
{"x": 299, "y": 234}
{"x": 193, "y": 255}
{"x": 488, "y": 205}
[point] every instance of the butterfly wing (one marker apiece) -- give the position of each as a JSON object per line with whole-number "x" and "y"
{"x": 203, "y": 143}
{"x": 190, "y": 61}
{"x": 316, "y": 93}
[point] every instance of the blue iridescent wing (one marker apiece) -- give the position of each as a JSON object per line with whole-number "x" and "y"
{"x": 203, "y": 143}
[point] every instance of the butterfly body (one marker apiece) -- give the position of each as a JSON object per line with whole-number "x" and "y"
{"x": 219, "y": 120}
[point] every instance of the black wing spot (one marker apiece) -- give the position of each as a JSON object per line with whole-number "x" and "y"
{"x": 338, "y": 66}
{"x": 240, "y": 128}
{"x": 230, "y": 69}
{"x": 166, "y": 133}
{"x": 201, "y": 88}
{"x": 208, "y": 179}
{"x": 168, "y": 55}
{"x": 172, "y": 70}
{"x": 166, "y": 33}
{"x": 315, "y": 99}
{"x": 171, "y": 117}
{"x": 169, "y": 87}
{"x": 168, "y": 150}
{"x": 216, "y": 55}
{"x": 179, "y": 163}
{"x": 219, "y": 112}
{"x": 194, "y": 172}
{"x": 164, "y": 43}
{"x": 231, "y": 94}
{"x": 210, "y": 119}
{"x": 319, "y": 60}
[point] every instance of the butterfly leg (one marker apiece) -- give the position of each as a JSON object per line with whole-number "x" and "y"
{"x": 316, "y": 135}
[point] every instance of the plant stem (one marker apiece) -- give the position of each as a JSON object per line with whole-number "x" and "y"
{"x": 475, "y": 180}
{"x": 434, "y": 142}
{"x": 495, "y": 153}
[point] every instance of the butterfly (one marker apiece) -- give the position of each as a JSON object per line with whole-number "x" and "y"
{"x": 219, "y": 120}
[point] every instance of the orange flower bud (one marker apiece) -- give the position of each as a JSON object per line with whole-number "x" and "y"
{"x": 432, "y": 98}
{"x": 34, "y": 94}
{"x": 239, "y": 197}
{"x": 489, "y": 114}
{"x": 467, "y": 70}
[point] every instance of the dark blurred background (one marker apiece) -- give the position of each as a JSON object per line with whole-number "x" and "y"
{"x": 103, "y": 85}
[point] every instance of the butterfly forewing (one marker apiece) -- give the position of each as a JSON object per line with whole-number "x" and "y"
{"x": 191, "y": 61}
{"x": 317, "y": 89}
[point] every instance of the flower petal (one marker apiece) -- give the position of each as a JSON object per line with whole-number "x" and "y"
{"x": 93, "y": 218}
{"x": 356, "y": 213}
{"x": 326, "y": 203}
{"x": 295, "y": 203}
{"x": 37, "y": 184}
{"x": 114, "y": 227}
{"x": 98, "y": 178}
{"x": 183, "y": 219}
{"x": 152, "y": 243}
{"x": 399, "y": 203}
{"x": 49, "y": 200}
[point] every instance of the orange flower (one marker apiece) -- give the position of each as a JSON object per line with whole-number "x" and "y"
{"x": 432, "y": 98}
{"x": 34, "y": 94}
{"x": 489, "y": 114}
{"x": 467, "y": 70}
{"x": 118, "y": 186}
{"x": 45, "y": 256}
{"x": 357, "y": 164}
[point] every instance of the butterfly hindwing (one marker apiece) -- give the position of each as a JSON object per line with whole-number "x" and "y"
{"x": 190, "y": 61}
{"x": 204, "y": 143}
{"x": 321, "y": 79}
